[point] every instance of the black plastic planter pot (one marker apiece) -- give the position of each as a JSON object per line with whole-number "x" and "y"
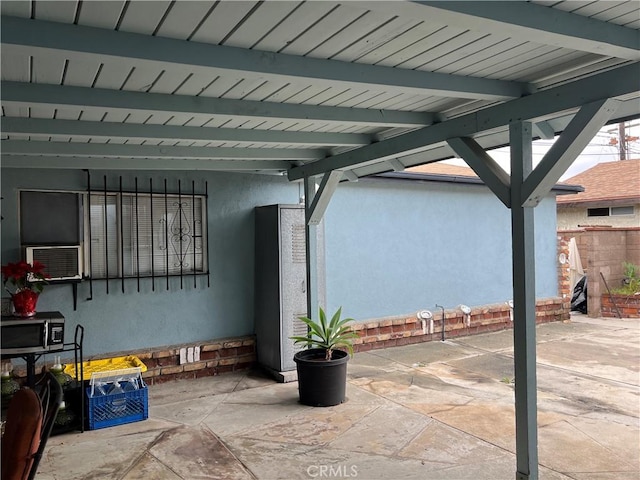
{"x": 321, "y": 383}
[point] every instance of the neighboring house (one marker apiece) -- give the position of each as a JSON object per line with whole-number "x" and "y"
{"x": 611, "y": 197}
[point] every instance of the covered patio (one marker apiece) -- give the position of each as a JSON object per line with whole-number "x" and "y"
{"x": 429, "y": 411}
{"x": 325, "y": 92}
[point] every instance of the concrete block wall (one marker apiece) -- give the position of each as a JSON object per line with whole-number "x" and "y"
{"x": 406, "y": 330}
{"x": 633, "y": 245}
{"x": 603, "y": 250}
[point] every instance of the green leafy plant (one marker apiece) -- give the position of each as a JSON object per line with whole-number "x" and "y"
{"x": 631, "y": 280}
{"x": 631, "y": 270}
{"x": 328, "y": 335}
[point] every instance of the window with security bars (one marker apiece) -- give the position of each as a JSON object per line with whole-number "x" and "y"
{"x": 146, "y": 235}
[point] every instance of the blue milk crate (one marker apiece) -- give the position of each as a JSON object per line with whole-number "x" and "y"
{"x": 107, "y": 410}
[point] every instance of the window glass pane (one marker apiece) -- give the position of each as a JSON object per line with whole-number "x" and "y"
{"x": 598, "y": 212}
{"x": 104, "y": 236}
{"x": 160, "y": 235}
{"x": 130, "y": 233}
{"x": 622, "y": 210}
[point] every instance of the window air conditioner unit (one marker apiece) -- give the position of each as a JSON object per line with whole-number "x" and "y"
{"x": 61, "y": 262}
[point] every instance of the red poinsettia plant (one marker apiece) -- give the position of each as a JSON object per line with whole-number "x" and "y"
{"x": 24, "y": 276}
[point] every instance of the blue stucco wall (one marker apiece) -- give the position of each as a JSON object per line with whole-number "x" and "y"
{"x": 133, "y": 320}
{"x": 395, "y": 247}
{"x": 392, "y": 248}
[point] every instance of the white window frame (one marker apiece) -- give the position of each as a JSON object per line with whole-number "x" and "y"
{"x": 633, "y": 211}
{"x": 610, "y": 211}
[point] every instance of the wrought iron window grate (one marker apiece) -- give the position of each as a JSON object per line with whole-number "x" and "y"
{"x": 145, "y": 233}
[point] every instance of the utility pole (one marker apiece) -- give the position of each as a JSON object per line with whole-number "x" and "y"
{"x": 622, "y": 141}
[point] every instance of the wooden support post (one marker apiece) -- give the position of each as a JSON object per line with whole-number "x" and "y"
{"x": 524, "y": 306}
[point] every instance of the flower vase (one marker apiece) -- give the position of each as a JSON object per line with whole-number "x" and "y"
{"x": 24, "y": 303}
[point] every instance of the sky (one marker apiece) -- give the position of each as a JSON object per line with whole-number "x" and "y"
{"x": 599, "y": 150}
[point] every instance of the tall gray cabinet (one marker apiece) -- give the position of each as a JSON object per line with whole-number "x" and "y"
{"x": 281, "y": 285}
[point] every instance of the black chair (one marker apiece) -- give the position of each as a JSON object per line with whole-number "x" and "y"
{"x": 50, "y": 398}
{"x": 30, "y": 419}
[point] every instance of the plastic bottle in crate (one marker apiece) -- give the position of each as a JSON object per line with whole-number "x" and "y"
{"x": 118, "y": 405}
{"x": 130, "y": 385}
{"x": 99, "y": 389}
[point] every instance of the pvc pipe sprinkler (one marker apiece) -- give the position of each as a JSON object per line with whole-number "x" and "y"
{"x": 467, "y": 314}
{"x": 443, "y": 325}
{"x": 425, "y": 315}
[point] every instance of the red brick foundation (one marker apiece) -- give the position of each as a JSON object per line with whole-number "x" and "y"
{"x": 397, "y": 331}
{"x": 163, "y": 364}
{"x": 237, "y": 354}
{"x": 628, "y": 306}
{"x": 564, "y": 271}
{"x": 216, "y": 357}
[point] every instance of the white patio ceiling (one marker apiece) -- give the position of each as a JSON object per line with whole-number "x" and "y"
{"x": 301, "y": 87}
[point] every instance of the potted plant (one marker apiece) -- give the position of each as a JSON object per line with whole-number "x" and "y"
{"x": 322, "y": 367}
{"x": 27, "y": 282}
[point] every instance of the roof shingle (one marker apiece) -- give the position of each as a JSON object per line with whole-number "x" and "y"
{"x": 609, "y": 181}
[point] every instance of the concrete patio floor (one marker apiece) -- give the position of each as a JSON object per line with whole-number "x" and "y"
{"x": 427, "y": 411}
